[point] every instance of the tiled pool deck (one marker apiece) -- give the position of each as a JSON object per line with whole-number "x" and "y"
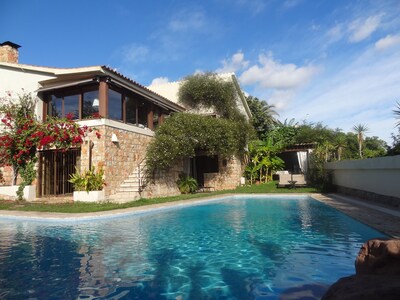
{"x": 384, "y": 219}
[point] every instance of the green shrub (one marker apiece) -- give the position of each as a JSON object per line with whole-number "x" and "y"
{"x": 182, "y": 134}
{"x": 90, "y": 180}
{"x": 186, "y": 184}
{"x": 28, "y": 175}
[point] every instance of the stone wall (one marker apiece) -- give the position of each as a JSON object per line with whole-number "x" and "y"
{"x": 228, "y": 177}
{"x": 118, "y": 159}
{"x": 164, "y": 182}
{"x": 7, "y": 174}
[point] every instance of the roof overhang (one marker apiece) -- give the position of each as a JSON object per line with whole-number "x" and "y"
{"x": 80, "y": 76}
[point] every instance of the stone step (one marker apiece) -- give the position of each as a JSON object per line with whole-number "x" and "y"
{"x": 130, "y": 182}
{"x": 128, "y": 189}
{"x": 123, "y": 198}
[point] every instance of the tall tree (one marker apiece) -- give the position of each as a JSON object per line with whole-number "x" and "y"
{"x": 395, "y": 148}
{"x": 339, "y": 142}
{"x": 360, "y": 130}
{"x": 263, "y": 115}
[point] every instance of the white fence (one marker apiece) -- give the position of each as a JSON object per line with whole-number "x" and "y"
{"x": 379, "y": 175}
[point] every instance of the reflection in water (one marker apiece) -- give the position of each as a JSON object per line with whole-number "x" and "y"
{"x": 256, "y": 249}
{"x": 40, "y": 267}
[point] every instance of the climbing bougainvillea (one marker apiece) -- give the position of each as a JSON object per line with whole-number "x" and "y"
{"x": 22, "y": 134}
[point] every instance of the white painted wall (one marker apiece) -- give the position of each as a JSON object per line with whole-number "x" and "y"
{"x": 379, "y": 175}
{"x": 19, "y": 81}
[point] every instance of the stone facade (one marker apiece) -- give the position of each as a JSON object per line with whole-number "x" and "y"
{"x": 163, "y": 183}
{"x": 118, "y": 159}
{"x": 228, "y": 177}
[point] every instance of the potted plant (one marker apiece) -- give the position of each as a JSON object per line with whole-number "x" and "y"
{"x": 88, "y": 186}
{"x": 186, "y": 184}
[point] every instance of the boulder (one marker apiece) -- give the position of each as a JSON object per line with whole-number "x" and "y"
{"x": 377, "y": 273}
{"x": 371, "y": 287}
{"x": 379, "y": 256}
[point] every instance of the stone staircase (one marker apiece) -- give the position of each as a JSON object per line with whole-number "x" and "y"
{"x": 132, "y": 186}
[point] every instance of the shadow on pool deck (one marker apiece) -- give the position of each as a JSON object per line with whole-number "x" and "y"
{"x": 384, "y": 219}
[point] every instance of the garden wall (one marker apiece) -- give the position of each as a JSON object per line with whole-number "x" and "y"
{"x": 376, "y": 179}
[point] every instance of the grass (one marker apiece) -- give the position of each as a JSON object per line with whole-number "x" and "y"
{"x": 81, "y": 207}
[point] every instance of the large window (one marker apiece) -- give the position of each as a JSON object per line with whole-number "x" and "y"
{"x": 130, "y": 110}
{"x": 114, "y": 105}
{"x": 142, "y": 113}
{"x": 61, "y": 106}
{"x": 122, "y": 105}
{"x": 90, "y": 104}
{"x": 156, "y": 118}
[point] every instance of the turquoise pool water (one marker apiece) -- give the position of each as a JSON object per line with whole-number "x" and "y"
{"x": 233, "y": 248}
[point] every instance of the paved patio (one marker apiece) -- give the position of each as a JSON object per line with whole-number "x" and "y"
{"x": 383, "y": 218}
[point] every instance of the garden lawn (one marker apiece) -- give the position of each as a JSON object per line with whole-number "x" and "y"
{"x": 83, "y": 207}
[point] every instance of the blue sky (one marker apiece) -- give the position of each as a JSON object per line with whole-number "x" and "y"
{"x": 335, "y": 62}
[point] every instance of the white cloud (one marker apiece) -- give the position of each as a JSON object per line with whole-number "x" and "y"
{"x": 187, "y": 20}
{"x": 362, "y": 29}
{"x": 335, "y": 33}
{"x": 291, "y": 3}
{"x": 362, "y": 92}
{"x": 159, "y": 80}
{"x": 281, "y": 99}
{"x": 234, "y": 64}
{"x": 135, "y": 53}
{"x": 255, "y": 6}
{"x": 272, "y": 74}
{"x": 387, "y": 42}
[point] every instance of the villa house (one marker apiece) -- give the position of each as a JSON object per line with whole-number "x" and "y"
{"x": 125, "y": 113}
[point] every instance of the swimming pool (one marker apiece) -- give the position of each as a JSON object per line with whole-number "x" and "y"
{"x": 233, "y": 248}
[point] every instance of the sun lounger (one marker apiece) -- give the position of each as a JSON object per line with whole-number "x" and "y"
{"x": 292, "y": 180}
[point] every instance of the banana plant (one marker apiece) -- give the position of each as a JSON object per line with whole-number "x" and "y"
{"x": 263, "y": 160}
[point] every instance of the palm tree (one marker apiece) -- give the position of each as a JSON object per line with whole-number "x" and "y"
{"x": 269, "y": 113}
{"x": 264, "y": 115}
{"x": 360, "y": 130}
{"x": 340, "y": 143}
{"x": 397, "y": 113}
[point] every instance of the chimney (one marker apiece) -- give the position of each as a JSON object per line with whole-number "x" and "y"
{"x": 9, "y": 52}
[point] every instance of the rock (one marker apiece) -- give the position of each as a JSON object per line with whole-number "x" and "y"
{"x": 377, "y": 274}
{"x": 371, "y": 287}
{"x": 379, "y": 256}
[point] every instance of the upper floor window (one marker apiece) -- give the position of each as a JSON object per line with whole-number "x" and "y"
{"x": 90, "y": 104}
{"x": 121, "y": 105}
{"x": 114, "y": 105}
{"x": 130, "y": 110}
{"x": 61, "y": 106}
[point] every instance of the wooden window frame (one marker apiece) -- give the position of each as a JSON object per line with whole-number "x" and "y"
{"x": 103, "y": 86}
